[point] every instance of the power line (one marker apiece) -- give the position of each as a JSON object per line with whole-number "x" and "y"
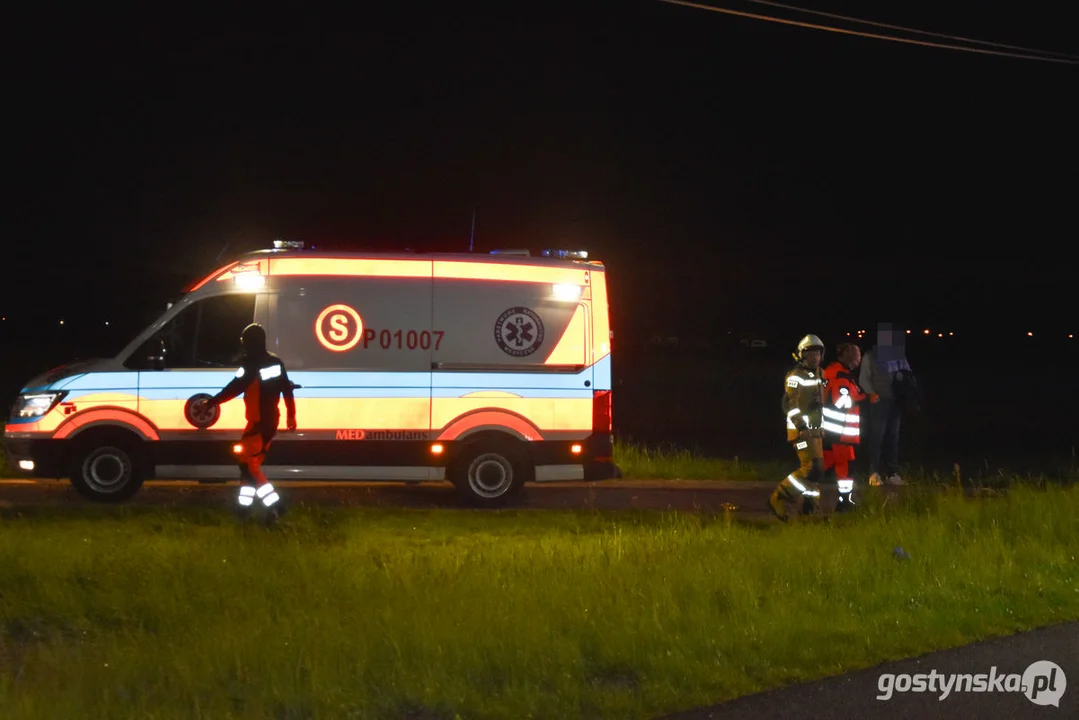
{"x": 912, "y": 30}
{"x": 875, "y": 36}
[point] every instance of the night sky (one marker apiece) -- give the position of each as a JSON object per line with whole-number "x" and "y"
{"x": 728, "y": 170}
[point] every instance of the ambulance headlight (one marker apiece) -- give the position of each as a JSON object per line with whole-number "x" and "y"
{"x": 567, "y": 292}
{"x": 36, "y": 404}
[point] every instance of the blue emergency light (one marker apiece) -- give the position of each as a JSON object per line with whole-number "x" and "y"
{"x": 567, "y": 254}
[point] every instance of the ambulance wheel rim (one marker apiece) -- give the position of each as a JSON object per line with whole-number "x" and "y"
{"x": 490, "y": 475}
{"x": 106, "y": 470}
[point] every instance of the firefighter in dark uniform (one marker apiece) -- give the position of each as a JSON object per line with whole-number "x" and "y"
{"x": 263, "y": 381}
{"x": 803, "y": 404}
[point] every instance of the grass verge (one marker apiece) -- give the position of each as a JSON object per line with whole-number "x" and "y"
{"x": 136, "y": 612}
{"x": 639, "y": 462}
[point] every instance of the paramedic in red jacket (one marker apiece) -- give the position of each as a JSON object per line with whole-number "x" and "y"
{"x": 842, "y": 421}
{"x": 263, "y": 381}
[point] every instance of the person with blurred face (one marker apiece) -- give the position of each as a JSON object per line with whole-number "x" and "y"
{"x": 884, "y": 371}
{"x": 803, "y": 403}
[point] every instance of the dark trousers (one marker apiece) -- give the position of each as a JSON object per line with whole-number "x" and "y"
{"x": 884, "y": 417}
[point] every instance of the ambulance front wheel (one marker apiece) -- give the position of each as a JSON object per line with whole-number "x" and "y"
{"x": 107, "y": 468}
{"x": 489, "y": 473}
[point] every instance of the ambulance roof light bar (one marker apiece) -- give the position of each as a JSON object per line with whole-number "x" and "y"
{"x": 288, "y": 244}
{"x": 567, "y": 254}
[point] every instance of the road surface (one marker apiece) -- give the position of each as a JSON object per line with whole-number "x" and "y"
{"x": 855, "y": 695}
{"x": 714, "y": 496}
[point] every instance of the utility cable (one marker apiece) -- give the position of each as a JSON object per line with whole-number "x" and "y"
{"x": 875, "y": 36}
{"x": 913, "y": 30}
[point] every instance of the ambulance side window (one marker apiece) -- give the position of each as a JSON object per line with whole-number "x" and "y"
{"x": 221, "y": 320}
{"x": 206, "y": 334}
{"x": 169, "y": 347}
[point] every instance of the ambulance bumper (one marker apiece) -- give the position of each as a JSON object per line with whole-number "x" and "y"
{"x": 556, "y": 460}
{"x": 582, "y": 471}
{"x": 28, "y": 457}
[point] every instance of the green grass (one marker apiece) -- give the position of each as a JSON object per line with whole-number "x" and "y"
{"x": 136, "y": 612}
{"x": 639, "y": 462}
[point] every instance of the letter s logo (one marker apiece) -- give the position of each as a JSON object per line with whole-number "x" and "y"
{"x": 338, "y": 327}
{"x": 334, "y": 330}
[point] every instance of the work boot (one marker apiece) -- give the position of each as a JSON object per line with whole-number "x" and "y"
{"x": 809, "y": 505}
{"x": 845, "y": 503}
{"x": 274, "y": 513}
{"x": 777, "y": 505}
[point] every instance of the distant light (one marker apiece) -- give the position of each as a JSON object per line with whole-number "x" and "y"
{"x": 27, "y": 465}
{"x": 926, "y": 331}
{"x": 61, "y": 322}
{"x": 951, "y": 334}
{"x": 106, "y": 323}
{"x": 848, "y": 334}
{"x": 940, "y": 334}
{"x": 908, "y": 332}
{"x": 1030, "y": 334}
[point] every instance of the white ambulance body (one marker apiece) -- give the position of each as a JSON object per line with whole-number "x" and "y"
{"x": 485, "y": 370}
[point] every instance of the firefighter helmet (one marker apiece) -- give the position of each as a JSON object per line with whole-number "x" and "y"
{"x": 808, "y": 342}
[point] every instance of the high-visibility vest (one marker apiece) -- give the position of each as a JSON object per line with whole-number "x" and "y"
{"x": 841, "y": 417}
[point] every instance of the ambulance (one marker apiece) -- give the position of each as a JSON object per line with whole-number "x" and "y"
{"x": 486, "y": 370}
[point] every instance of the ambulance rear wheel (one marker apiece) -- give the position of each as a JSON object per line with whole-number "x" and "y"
{"x": 107, "y": 468}
{"x": 489, "y": 474}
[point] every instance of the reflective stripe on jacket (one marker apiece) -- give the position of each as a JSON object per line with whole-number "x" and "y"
{"x": 803, "y": 403}
{"x": 842, "y": 421}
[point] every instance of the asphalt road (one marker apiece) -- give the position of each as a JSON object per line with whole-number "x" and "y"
{"x": 747, "y": 499}
{"x": 855, "y": 695}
